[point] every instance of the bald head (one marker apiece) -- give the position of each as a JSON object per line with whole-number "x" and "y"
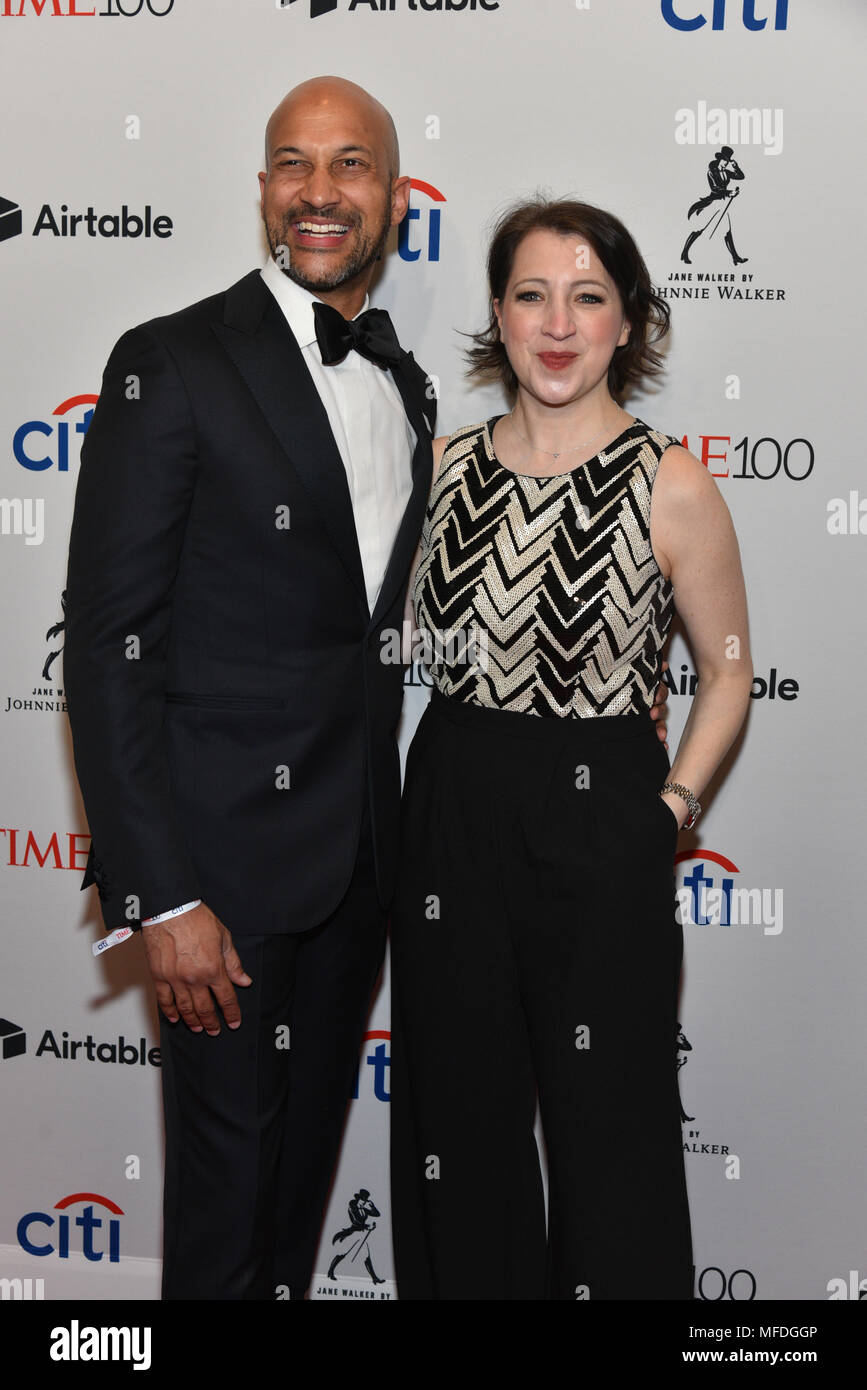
{"x": 332, "y": 96}
{"x": 331, "y": 189}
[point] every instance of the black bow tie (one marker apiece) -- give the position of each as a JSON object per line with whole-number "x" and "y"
{"x": 372, "y": 334}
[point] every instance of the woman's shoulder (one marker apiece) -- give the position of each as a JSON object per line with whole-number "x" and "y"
{"x": 681, "y": 477}
{"x": 670, "y": 448}
{"x": 658, "y": 438}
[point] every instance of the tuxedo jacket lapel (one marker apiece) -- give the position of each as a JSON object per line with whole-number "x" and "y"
{"x": 259, "y": 341}
{"x": 261, "y": 344}
{"x": 409, "y": 379}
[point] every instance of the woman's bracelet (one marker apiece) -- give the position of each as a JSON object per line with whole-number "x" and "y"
{"x": 686, "y": 795}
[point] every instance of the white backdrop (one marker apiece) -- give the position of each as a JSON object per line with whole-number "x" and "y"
{"x": 622, "y": 103}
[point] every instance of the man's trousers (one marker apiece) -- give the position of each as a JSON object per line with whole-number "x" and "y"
{"x": 254, "y": 1116}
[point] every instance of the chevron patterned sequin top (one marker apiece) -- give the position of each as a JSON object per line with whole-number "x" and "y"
{"x": 542, "y": 595}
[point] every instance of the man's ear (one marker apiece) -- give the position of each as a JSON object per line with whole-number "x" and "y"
{"x": 400, "y": 191}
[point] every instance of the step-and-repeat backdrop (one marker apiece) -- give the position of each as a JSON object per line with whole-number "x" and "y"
{"x": 132, "y": 138}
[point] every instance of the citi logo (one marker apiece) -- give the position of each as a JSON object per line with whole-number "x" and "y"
{"x": 705, "y": 902}
{"x": 377, "y": 1045}
{"x": 778, "y": 10}
{"x": 32, "y": 452}
{"x": 97, "y": 1237}
{"x": 431, "y": 234}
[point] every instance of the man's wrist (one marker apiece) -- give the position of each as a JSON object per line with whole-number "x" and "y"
{"x": 172, "y": 912}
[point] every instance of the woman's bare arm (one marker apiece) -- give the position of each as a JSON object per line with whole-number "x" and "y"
{"x": 695, "y": 545}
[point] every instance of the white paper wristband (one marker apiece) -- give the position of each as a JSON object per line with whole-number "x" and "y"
{"x": 174, "y": 912}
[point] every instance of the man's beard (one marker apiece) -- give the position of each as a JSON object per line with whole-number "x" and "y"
{"x": 368, "y": 249}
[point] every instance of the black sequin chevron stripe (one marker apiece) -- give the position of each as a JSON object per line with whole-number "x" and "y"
{"x": 552, "y": 579}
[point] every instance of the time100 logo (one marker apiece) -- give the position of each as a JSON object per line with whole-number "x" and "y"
{"x": 130, "y": 8}
{"x": 712, "y": 1285}
{"x": 72, "y": 9}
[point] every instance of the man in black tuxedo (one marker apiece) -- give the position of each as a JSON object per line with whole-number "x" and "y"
{"x": 251, "y": 493}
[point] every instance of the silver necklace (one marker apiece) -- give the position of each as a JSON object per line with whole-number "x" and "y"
{"x": 549, "y": 452}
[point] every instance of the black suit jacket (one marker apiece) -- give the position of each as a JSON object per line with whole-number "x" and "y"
{"x": 229, "y": 705}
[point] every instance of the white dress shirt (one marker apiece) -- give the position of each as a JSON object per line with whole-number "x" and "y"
{"x": 374, "y": 437}
{"x": 369, "y": 424}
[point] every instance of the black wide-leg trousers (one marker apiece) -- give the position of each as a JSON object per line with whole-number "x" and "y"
{"x": 536, "y": 950}
{"x": 253, "y": 1125}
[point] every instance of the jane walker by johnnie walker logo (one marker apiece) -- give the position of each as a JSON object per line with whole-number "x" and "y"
{"x": 715, "y": 232}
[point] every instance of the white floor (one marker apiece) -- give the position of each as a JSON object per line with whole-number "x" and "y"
{"x": 76, "y": 1277}
{"x": 49, "y": 1277}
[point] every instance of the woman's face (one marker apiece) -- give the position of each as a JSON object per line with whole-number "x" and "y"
{"x": 560, "y": 318}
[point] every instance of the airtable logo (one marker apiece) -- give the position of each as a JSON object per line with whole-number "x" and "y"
{"x": 10, "y": 219}
{"x": 317, "y": 7}
{"x": 64, "y": 222}
{"x": 59, "y": 1045}
{"x": 13, "y": 1040}
{"x": 320, "y": 7}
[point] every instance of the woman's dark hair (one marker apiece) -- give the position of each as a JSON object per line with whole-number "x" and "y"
{"x": 647, "y": 313}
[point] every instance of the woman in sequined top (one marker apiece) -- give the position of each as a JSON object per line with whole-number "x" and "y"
{"x": 536, "y": 947}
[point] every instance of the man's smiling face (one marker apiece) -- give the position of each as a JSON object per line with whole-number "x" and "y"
{"x": 330, "y": 193}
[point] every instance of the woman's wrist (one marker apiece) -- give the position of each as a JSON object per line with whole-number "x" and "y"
{"x": 676, "y": 806}
{"x": 683, "y": 803}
